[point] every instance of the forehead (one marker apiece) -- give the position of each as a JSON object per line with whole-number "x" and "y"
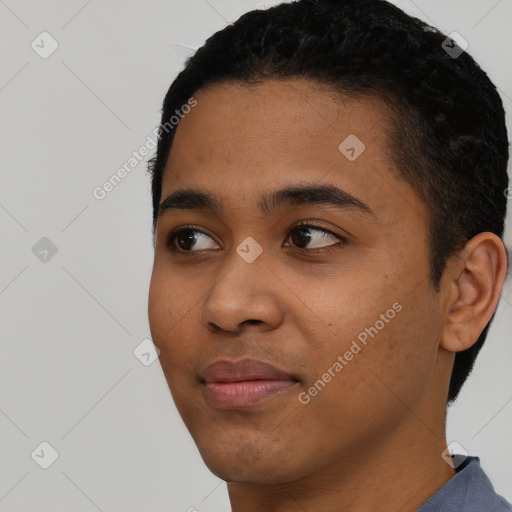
{"x": 292, "y": 119}
{"x": 240, "y": 139}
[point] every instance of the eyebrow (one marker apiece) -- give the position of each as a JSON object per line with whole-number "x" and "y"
{"x": 296, "y": 195}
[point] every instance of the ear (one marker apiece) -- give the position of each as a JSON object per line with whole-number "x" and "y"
{"x": 474, "y": 281}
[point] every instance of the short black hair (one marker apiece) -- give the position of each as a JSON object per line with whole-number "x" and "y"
{"x": 449, "y": 137}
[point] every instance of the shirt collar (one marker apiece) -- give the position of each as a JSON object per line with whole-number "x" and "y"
{"x": 470, "y": 490}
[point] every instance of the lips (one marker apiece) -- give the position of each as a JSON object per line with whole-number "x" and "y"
{"x": 240, "y": 384}
{"x": 244, "y": 370}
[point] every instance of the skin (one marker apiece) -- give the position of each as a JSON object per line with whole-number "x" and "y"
{"x": 372, "y": 438}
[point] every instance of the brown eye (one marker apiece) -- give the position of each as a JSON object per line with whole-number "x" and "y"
{"x": 303, "y": 234}
{"x": 186, "y": 238}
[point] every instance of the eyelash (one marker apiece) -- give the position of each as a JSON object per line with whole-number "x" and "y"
{"x": 171, "y": 238}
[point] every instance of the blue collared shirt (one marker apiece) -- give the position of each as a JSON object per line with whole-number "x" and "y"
{"x": 468, "y": 491}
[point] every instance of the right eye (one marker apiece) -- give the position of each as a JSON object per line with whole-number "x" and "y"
{"x": 182, "y": 239}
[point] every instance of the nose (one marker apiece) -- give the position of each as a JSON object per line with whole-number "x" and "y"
{"x": 245, "y": 294}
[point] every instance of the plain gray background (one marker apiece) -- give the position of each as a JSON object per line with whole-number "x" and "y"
{"x": 70, "y": 321}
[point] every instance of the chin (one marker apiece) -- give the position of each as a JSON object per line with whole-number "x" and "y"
{"x": 248, "y": 463}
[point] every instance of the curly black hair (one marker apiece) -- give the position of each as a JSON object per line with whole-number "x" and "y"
{"x": 449, "y": 139}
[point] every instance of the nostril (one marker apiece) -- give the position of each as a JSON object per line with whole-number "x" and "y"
{"x": 252, "y": 322}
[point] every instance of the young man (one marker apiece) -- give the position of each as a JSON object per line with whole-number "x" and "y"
{"x": 329, "y": 203}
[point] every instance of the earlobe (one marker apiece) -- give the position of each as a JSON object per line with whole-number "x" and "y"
{"x": 475, "y": 281}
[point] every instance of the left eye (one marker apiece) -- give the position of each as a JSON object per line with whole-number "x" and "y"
{"x": 184, "y": 239}
{"x": 300, "y": 235}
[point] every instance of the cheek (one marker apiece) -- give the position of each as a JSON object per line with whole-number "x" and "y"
{"x": 170, "y": 312}
{"x": 387, "y": 341}
{"x": 172, "y": 308}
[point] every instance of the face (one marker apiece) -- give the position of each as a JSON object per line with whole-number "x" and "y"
{"x": 330, "y": 288}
